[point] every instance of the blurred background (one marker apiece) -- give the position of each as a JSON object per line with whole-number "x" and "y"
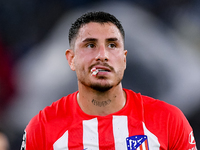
{"x": 162, "y": 39}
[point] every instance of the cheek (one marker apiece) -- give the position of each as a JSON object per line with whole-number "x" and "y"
{"x": 81, "y": 62}
{"x": 121, "y": 60}
{"x": 121, "y": 65}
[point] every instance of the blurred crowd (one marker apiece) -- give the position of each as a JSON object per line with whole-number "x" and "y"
{"x": 162, "y": 39}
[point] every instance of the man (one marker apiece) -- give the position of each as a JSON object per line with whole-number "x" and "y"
{"x": 102, "y": 115}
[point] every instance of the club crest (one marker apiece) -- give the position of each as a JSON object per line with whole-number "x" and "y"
{"x": 138, "y": 142}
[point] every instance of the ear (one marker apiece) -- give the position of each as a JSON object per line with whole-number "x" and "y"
{"x": 125, "y": 54}
{"x": 70, "y": 58}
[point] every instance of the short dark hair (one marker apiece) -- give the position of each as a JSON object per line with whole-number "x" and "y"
{"x": 99, "y": 17}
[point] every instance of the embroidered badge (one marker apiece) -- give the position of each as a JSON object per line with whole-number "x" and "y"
{"x": 138, "y": 142}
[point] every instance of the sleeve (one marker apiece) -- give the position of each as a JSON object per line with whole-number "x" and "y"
{"x": 180, "y": 132}
{"x": 33, "y": 138}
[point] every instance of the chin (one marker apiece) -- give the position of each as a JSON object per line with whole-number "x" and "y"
{"x": 101, "y": 88}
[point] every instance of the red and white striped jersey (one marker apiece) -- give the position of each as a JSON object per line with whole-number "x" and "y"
{"x": 143, "y": 124}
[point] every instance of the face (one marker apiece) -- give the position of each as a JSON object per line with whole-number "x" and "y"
{"x": 100, "y": 46}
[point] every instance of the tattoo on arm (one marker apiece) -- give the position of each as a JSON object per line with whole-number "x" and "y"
{"x": 101, "y": 103}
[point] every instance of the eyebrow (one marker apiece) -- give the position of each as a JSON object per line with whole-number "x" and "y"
{"x": 94, "y": 40}
{"x": 89, "y": 40}
{"x": 112, "y": 39}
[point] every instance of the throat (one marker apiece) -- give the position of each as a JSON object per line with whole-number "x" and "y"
{"x": 101, "y": 103}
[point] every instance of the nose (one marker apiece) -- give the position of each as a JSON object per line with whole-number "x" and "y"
{"x": 102, "y": 54}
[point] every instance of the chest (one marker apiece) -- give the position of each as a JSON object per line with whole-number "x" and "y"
{"x": 111, "y": 133}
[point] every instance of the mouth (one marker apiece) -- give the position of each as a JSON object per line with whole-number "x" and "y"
{"x": 103, "y": 70}
{"x": 95, "y": 71}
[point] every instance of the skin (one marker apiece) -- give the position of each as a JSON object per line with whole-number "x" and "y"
{"x": 101, "y": 46}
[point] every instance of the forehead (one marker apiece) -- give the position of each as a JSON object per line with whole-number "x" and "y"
{"x": 99, "y": 30}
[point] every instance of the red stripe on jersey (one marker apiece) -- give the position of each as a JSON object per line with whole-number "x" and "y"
{"x": 135, "y": 127}
{"x": 75, "y": 141}
{"x": 146, "y": 145}
{"x": 135, "y": 118}
{"x": 106, "y": 138}
{"x": 140, "y": 147}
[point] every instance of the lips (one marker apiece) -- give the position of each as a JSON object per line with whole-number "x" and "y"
{"x": 103, "y": 69}
{"x": 97, "y": 69}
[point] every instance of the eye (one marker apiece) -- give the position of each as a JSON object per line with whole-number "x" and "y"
{"x": 112, "y": 45}
{"x": 90, "y": 45}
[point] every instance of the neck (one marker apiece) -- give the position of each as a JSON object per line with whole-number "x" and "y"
{"x": 98, "y": 103}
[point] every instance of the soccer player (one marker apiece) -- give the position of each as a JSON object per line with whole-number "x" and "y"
{"x": 102, "y": 115}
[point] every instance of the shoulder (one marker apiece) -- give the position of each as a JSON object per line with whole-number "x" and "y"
{"x": 167, "y": 122}
{"x": 157, "y": 106}
{"x": 56, "y": 110}
{"x": 151, "y": 105}
{"x": 161, "y": 116}
{"x": 48, "y": 120}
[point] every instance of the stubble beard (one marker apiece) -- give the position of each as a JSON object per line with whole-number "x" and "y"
{"x": 100, "y": 86}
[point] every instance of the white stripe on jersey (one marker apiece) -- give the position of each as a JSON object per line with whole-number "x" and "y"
{"x": 62, "y": 142}
{"x": 152, "y": 139}
{"x": 143, "y": 146}
{"x": 120, "y": 132}
{"x": 90, "y": 134}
